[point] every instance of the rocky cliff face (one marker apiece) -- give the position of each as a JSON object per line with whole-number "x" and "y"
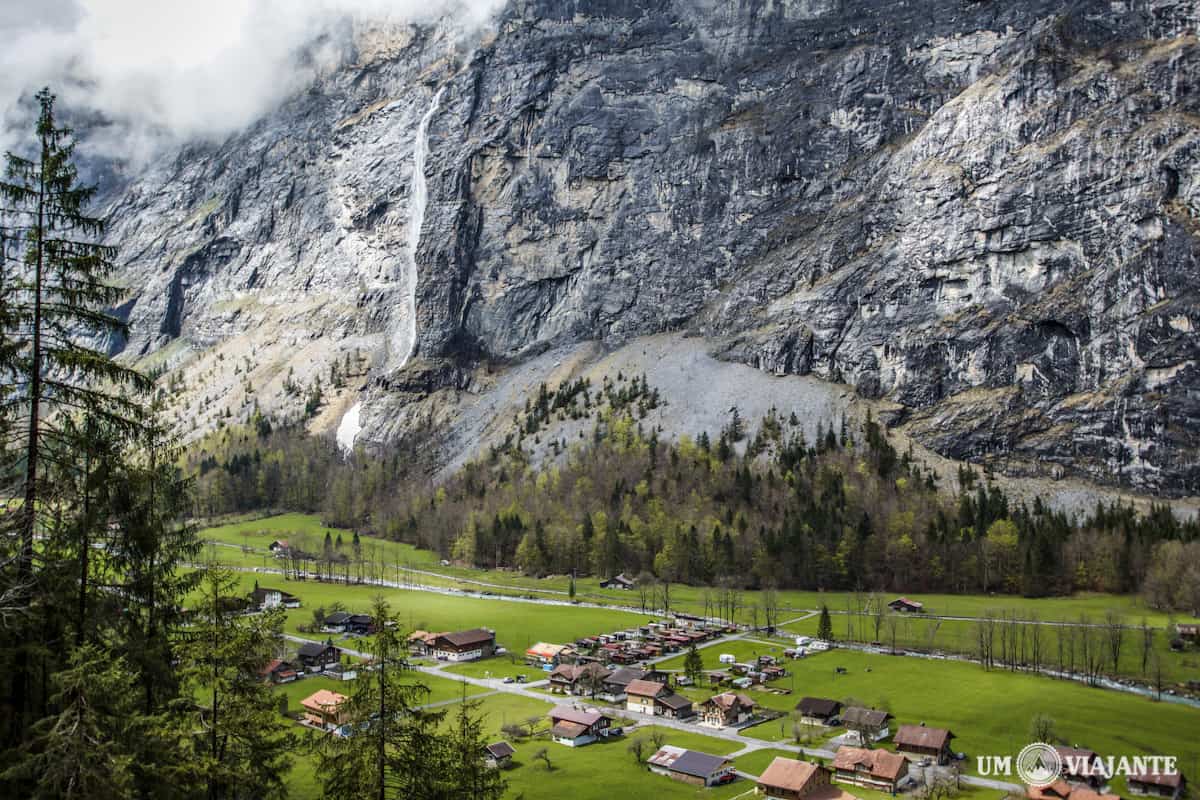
{"x": 983, "y": 214}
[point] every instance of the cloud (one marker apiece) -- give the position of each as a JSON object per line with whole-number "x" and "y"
{"x": 163, "y": 72}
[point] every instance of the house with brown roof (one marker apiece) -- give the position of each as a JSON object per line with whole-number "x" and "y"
{"x": 469, "y": 645}
{"x": 726, "y": 710}
{"x": 420, "y": 643}
{"x": 498, "y": 755}
{"x": 906, "y": 606}
{"x": 690, "y": 766}
{"x": 543, "y": 654}
{"x": 576, "y": 728}
{"x": 874, "y": 769}
{"x": 325, "y": 709}
{"x": 316, "y": 656}
{"x": 1082, "y": 766}
{"x": 866, "y": 724}
{"x": 789, "y": 779}
{"x": 650, "y": 697}
{"x": 278, "y": 671}
{"x": 917, "y": 741}
{"x": 580, "y": 679}
{"x": 818, "y": 710}
{"x": 617, "y": 582}
{"x": 1061, "y": 790}
{"x": 1157, "y": 784}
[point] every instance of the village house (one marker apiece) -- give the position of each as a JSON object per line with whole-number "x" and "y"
{"x": 576, "y": 728}
{"x": 650, "y": 697}
{"x": 279, "y": 547}
{"x": 579, "y": 679}
{"x": 873, "y": 769}
{"x": 498, "y": 755}
{"x": 818, "y": 710}
{"x": 1188, "y": 630}
{"x": 1170, "y": 785}
{"x": 263, "y": 599}
{"x": 543, "y": 654}
{"x": 617, "y": 582}
{"x": 906, "y": 606}
{"x": 278, "y": 671}
{"x": 676, "y": 706}
{"x": 469, "y": 645}
{"x": 865, "y": 724}
{"x": 789, "y": 779}
{"x": 690, "y": 766}
{"x": 315, "y": 656}
{"x": 917, "y": 742}
{"x": 726, "y": 710}
{"x": 360, "y": 624}
{"x": 420, "y": 643}
{"x": 616, "y": 684}
{"x": 1081, "y": 766}
{"x": 1061, "y": 790}
{"x": 325, "y": 709}
{"x": 336, "y": 622}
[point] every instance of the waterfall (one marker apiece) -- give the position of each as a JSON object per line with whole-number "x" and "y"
{"x": 349, "y": 427}
{"x": 416, "y": 220}
{"x": 351, "y": 423}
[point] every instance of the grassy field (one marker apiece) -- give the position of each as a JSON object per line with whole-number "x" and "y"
{"x": 517, "y": 625}
{"x": 989, "y": 712}
{"x": 915, "y": 632}
{"x": 607, "y": 770}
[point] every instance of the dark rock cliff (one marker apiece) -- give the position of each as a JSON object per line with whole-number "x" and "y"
{"x": 982, "y": 212}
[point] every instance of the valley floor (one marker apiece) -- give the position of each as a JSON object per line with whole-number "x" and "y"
{"x": 988, "y": 710}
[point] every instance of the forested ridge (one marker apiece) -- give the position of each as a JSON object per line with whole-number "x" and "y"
{"x": 754, "y": 504}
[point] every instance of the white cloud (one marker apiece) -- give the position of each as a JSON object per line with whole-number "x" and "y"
{"x": 168, "y": 71}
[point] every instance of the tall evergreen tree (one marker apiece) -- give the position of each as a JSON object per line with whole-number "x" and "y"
{"x": 60, "y": 300}
{"x": 394, "y": 747}
{"x": 59, "y": 386}
{"x": 242, "y": 743}
{"x": 825, "y": 625}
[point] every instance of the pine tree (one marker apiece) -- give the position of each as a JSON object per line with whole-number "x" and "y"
{"x": 394, "y": 749}
{"x": 693, "y": 665}
{"x": 825, "y": 625}
{"x": 58, "y": 296}
{"x": 466, "y": 773}
{"x": 242, "y": 745}
{"x": 60, "y": 389}
{"x": 80, "y": 752}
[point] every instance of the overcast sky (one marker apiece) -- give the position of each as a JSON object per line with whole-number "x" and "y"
{"x": 176, "y": 70}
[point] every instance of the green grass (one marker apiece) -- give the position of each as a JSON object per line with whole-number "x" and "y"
{"x": 607, "y": 770}
{"x": 916, "y": 632}
{"x": 498, "y": 667}
{"x": 754, "y": 763}
{"x": 518, "y": 625}
{"x": 990, "y": 711}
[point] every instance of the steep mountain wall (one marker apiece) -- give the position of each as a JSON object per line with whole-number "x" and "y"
{"x": 982, "y": 214}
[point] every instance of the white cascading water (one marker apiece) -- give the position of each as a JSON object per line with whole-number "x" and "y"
{"x": 351, "y": 424}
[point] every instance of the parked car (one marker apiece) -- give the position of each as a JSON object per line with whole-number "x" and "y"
{"x": 508, "y": 679}
{"x": 728, "y": 777}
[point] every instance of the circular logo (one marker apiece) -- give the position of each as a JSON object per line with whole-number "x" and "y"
{"x": 1039, "y": 764}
